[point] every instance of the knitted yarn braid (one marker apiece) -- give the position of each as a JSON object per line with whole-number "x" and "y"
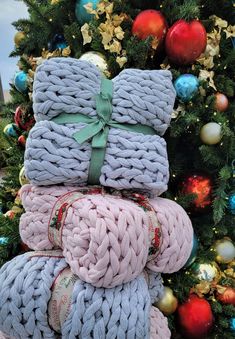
{"x": 97, "y": 313}
{"x": 24, "y": 294}
{"x": 104, "y": 238}
{"x": 132, "y": 160}
{"x": 177, "y": 236}
{"x": 66, "y": 85}
{"x": 163, "y": 331}
{"x": 155, "y": 285}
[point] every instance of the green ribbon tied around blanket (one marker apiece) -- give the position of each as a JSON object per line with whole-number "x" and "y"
{"x": 97, "y": 128}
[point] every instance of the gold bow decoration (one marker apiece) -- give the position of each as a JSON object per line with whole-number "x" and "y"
{"x": 111, "y": 31}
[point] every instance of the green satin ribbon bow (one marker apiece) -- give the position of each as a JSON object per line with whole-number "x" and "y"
{"x": 97, "y": 128}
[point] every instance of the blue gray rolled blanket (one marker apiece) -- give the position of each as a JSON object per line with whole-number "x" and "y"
{"x": 30, "y": 285}
{"x": 133, "y": 160}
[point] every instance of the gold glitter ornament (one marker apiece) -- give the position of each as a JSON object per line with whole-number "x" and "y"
{"x": 22, "y": 178}
{"x": 97, "y": 59}
{"x": 168, "y": 303}
{"x": 224, "y": 251}
{"x": 18, "y": 38}
{"x": 209, "y": 272}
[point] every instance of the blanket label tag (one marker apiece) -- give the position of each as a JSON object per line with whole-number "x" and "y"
{"x": 59, "y": 305}
{"x": 60, "y": 210}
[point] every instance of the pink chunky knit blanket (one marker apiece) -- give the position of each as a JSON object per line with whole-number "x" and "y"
{"x": 106, "y": 239}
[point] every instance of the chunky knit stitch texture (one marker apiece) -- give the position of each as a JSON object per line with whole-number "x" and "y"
{"x": 133, "y": 160}
{"x": 105, "y": 239}
{"x": 156, "y": 317}
{"x": 66, "y": 85}
{"x": 96, "y": 313}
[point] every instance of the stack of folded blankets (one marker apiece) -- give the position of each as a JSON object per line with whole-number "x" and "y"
{"x": 101, "y": 234}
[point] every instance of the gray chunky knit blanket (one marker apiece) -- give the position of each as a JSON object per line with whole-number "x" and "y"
{"x": 26, "y": 289}
{"x": 132, "y": 160}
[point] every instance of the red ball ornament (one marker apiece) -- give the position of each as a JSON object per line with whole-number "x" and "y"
{"x": 22, "y": 140}
{"x": 185, "y": 41}
{"x": 24, "y": 247}
{"x": 195, "y": 317}
{"x": 226, "y": 295}
{"x": 150, "y": 23}
{"x": 23, "y": 119}
{"x": 199, "y": 184}
{"x": 9, "y": 214}
{"x": 221, "y": 102}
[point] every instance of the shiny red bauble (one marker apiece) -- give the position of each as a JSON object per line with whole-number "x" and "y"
{"x": 150, "y": 23}
{"x": 22, "y": 140}
{"x": 185, "y": 41}
{"x": 22, "y": 120}
{"x": 10, "y": 214}
{"x": 200, "y": 185}
{"x": 226, "y": 295}
{"x": 24, "y": 247}
{"x": 195, "y": 317}
{"x": 221, "y": 102}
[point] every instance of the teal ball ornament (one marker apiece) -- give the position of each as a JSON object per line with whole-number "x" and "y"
{"x": 20, "y": 81}
{"x": 231, "y": 203}
{"x": 81, "y": 13}
{"x": 3, "y": 240}
{"x": 186, "y": 86}
{"x": 193, "y": 254}
{"x": 232, "y": 324}
{"x": 11, "y": 130}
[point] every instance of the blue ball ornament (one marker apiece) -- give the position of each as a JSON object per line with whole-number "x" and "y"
{"x": 3, "y": 240}
{"x": 81, "y": 13}
{"x": 61, "y": 45}
{"x": 232, "y": 324}
{"x": 20, "y": 81}
{"x": 186, "y": 86}
{"x": 231, "y": 203}
{"x": 10, "y": 130}
{"x": 193, "y": 254}
{"x": 58, "y": 42}
{"x": 233, "y": 41}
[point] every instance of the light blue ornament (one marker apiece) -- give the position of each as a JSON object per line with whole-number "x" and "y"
{"x": 186, "y": 86}
{"x": 10, "y": 130}
{"x": 61, "y": 45}
{"x": 3, "y": 240}
{"x": 81, "y": 13}
{"x": 193, "y": 254}
{"x": 232, "y": 324}
{"x": 231, "y": 203}
{"x": 20, "y": 81}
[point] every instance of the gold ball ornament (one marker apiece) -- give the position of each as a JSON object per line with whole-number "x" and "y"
{"x": 18, "y": 38}
{"x": 224, "y": 251}
{"x": 211, "y": 133}
{"x": 221, "y": 102}
{"x": 209, "y": 272}
{"x": 168, "y": 303}
{"x": 97, "y": 59}
{"x": 22, "y": 178}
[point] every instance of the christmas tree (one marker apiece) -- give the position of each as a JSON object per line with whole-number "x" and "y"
{"x": 194, "y": 40}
